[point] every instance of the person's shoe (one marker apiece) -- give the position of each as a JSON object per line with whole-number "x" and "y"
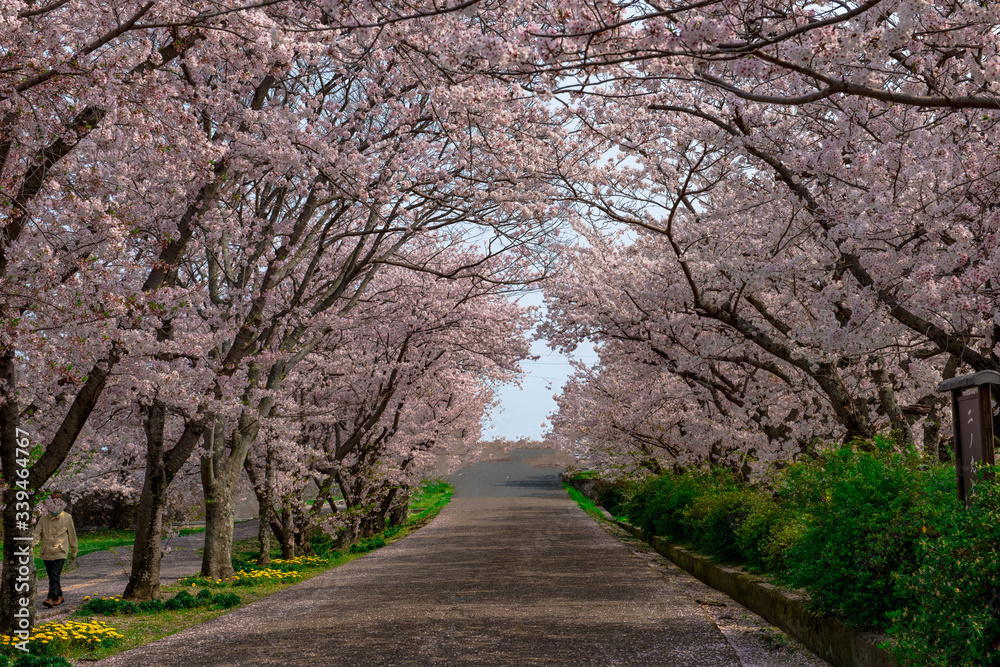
{"x": 58, "y": 601}
{"x": 47, "y": 604}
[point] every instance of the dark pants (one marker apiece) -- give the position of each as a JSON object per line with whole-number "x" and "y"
{"x": 53, "y": 568}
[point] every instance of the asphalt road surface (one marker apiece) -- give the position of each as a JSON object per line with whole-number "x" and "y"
{"x": 512, "y": 572}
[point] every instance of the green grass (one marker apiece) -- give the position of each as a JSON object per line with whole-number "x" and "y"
{"x": 102, "y": 540}
{"x": 585, "y": 503}
{"x": 144, "y": 628}
{"x": 433, "y": 495}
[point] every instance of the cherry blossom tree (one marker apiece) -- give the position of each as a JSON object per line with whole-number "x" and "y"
{"x": 131, "y": 135}
{"x": 820, "y": 180}
{"x": 381, "y": 400}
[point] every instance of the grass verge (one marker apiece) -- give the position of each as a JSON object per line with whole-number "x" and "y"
{"x": 585, "y": 503}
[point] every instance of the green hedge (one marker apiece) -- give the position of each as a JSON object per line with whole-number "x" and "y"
{"x": 872, "y": 531}
{"x": 953, "y": 613}
{"x": 182, "y": 600}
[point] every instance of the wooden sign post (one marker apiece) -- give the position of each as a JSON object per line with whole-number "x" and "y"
{"x": 972, "y": 415}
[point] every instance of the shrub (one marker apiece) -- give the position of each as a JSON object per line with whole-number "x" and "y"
{"x": 108, "y": 606}
{"x": 367, "y": 544}
{"x": 953, "y": 611}
{"x": 298, "y": 563}
{"x": 182, "y": 600}
{"x": 226, "y": 600}
{"x": 321, "y": 543}
{"x": 763, "y": 538}
{"x": 714, "y": 520}
{"x": 658, "y": 504}
{"x": 204, "y": 596}
{"x": 151, "y": 606}
{"x": 788, "y": 529}
{"x": 866, "y": 513}
{"x": 612, "y": 497}
{"x": 263, "y": 576}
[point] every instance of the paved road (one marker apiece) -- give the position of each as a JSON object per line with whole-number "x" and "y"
{"x": 510, "y": 573}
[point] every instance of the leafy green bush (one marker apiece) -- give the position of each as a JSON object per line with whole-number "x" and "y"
{"x": 866, "y": 513}
{"x": 393, "y": 531}
{"x": 226, "y": 600}
{"x": 109, "y": 606}
{"x": 321, "y": 543}
{"x": 151, "y": 606}
{"x": 658, "y": 503}
{"x": 198, "y": 580}
{"x": 872, "y": 531}
{"x": 763, "y": 536}
{"x": 612, "y": 497}
{"x": 182, "y": 600}
{"x": 714, "y": 520}
{"x": 368, "y": 544}
{"x": 787, "y": 529}
{"x": 952, "y": 615}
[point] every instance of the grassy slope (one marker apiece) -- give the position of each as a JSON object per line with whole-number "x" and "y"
{"x": 585, "y": 503}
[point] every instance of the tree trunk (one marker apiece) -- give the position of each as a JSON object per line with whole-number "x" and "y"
{"x": 264, "y": 543}
{"x": 220, "y": 510}
{"x": 121, "y": 514}
{"x": 399, "y": 515}
{"x": 144, "y": 581}
{"x": 377, "y": 520}
{"x": 17, "y": 586}
{"x": 220, "y": 475}
{"x": 219, "y": 486}
{"x": 348, "y": 534}
{"x": 264, "y": 490}
{"x": 888, "y": 403}
{"x": 266, "y": 511}
{"x": 303, "y": 545}
{"x": 932, "y": 437}
{"x": 17, "y": 591}
{"x": 934, "y": 447}
{"x": 161, "y": 467}
{"x": 287, "y": 535}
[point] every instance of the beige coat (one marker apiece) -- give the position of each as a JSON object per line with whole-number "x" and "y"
{"x": 57, "y": 535}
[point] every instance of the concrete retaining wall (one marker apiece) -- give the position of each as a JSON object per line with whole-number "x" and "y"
{"x": 825, "y": 636}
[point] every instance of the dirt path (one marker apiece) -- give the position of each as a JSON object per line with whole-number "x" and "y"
{"x": 105, "y": 573}
{"x": 510, "y": 573}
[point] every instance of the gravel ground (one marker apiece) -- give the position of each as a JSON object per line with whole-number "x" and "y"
{"x": 755, "y": 641}
{"x": 510, "y": 573}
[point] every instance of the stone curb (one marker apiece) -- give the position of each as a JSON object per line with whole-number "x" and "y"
{"x": 827, "y": 637}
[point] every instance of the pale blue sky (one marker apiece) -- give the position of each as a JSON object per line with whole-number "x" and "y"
{"x": 523, "y": 409}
